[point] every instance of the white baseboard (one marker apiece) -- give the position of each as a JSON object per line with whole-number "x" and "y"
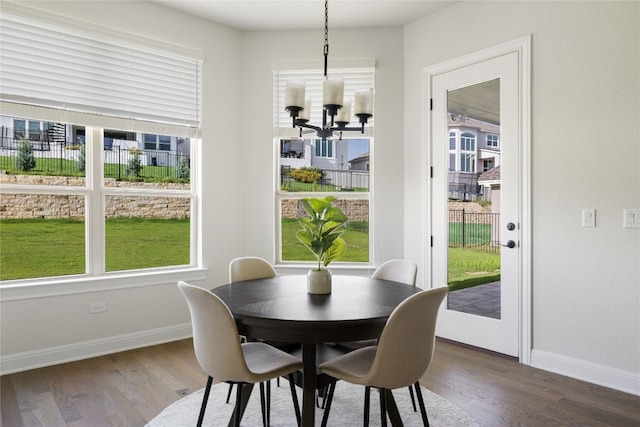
{"x": 616, "y": 379}
{"x": 86, "y": 349}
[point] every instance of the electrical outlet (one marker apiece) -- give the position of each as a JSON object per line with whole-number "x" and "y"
{"x": 631, "y": 218}
{"x": 97, "y": 307}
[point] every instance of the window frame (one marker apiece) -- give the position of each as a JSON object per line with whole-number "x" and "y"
{"x": 94, "y": 191}
{"x": 95, "y": 194}
{"x": 493, "y": 140}
{"x": 358, "y": 74}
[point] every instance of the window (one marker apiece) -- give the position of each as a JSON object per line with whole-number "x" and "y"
{"x": 307, "y": 166}
{"x": 452, "y": 162}
{"x": 452, "y": 140}
{"x": 488, "y": 164}
{"x": 492, "y": 140}
{"x": 93, "y": 188}
{"x": 467, "y": 142}
{"x": 324, "y": 148}
{"x": 30, "y": 129}
{"x": 467, "y": 162}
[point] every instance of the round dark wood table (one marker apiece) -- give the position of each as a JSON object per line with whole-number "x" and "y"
{"x": 280, "y": 309}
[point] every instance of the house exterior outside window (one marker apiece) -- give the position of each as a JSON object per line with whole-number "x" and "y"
{"x": 473, "y": 148}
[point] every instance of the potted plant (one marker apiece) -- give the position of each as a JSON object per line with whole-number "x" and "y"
{"x": 321, "y": 233}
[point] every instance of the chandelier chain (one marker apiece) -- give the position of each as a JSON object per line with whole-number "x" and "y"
{"x": 326, "y": 35}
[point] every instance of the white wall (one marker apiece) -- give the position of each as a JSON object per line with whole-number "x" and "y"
{"x": 585, "y": 154}
{"x": 55, "y": 328}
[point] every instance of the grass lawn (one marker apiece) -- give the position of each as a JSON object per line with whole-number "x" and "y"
{"x": 54, "y": 247}
{"x": 293, "y": 250}
{"x": 468, "y": 267}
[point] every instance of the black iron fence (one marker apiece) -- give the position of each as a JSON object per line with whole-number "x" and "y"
{"x": 327, "y": 180}
{"x": 119, "y": 163}
{"x": 474, "y": 230}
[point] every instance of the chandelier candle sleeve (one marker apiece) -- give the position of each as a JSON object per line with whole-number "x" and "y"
{"x": 294, "y": 95}
{"x": 305, "y": 115}
{"x": 364, "y": 102}
{"x": 333, "y": 91}
{"x": 344, "y": 114}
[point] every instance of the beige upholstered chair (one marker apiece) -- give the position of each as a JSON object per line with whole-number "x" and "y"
{"x": 398, "y": 270}
{"x": 402, "y": 356}
{"x": 223, "y": 357}
{"x": 248, "y": 268}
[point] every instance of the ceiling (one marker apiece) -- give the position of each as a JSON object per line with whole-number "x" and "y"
{"x": 479, "y": 101}
{"x": 266, "y": 15}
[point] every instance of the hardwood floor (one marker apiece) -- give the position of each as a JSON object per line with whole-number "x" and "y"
{"x": 130, "y": 388}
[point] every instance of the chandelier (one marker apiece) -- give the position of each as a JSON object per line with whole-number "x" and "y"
{"x": 336, "y": 115}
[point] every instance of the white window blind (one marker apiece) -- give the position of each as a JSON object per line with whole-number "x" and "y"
{"x": 110, "y": 82}
{"x": 355, "y": 78}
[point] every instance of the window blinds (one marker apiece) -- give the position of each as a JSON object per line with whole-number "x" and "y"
{"x": 355, "y": 78}
{"x": 96, "y": 80}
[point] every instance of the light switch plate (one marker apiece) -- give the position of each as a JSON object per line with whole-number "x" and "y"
{"x": 631, "y": 218}
{"x": 588, "y": 217}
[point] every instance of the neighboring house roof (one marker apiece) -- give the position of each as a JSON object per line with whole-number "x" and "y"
{"x": 490, "y": 175}
{"x": 361, "y": 157}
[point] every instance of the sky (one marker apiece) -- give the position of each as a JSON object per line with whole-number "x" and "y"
{"x": 357, "y": 147}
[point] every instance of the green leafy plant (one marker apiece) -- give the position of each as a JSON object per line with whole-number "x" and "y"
{"x": 25, "y": 160}
{"x": 134, "y": 167}
{"x": 82, "y": 159}
{"x": 183, "y": 171}
{"x": 306, "y": 174}
{"x": 321, "y": 232}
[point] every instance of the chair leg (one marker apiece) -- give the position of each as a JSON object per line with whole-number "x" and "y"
{"x": 413, "y": 400}
{"x": 367, "y": 400}
{"x": 205, "y": 399}
{"x": 262, "y": 406}
{"x": 294, "y": 397}
{"x": 423, "y": 410}
{"x": 325, "y": 416}
{"x": 269, "y": 402}
{"x": 236, "y": 410}
{"x": 229, "y": 392}
{"x": 383, "y": 408}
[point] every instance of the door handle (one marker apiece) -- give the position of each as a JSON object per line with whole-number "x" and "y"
{"x": 510, "y": 244}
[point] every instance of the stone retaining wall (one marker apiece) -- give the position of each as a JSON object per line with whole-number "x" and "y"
{"x": 73, "y": 207}
{"x": 355, "y": 210}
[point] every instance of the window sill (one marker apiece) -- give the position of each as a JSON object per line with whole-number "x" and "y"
{"x": 40, "y": 288}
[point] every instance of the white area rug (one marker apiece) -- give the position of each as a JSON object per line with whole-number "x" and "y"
{"x": 346, "y": 410}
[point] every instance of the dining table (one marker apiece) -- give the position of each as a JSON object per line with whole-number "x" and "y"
{"x": 279, "y": 309}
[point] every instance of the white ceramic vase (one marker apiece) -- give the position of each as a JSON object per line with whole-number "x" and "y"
{"x": 319, "y": 281}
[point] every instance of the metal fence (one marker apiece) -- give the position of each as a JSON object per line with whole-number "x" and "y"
{"x": 331, "y": 180}
{"x": 468, "y": 192}
{"x": 119, "y": 163}
{"x": 474, "y": 230}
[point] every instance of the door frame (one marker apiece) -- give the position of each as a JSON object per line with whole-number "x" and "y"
{"x": 523, "y": 47}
